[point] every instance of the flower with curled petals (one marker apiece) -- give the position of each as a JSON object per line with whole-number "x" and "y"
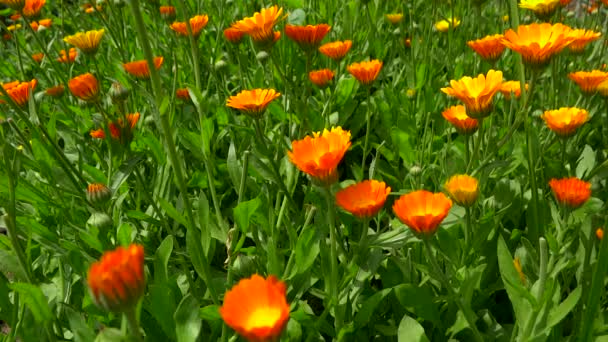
{"x": 571, "y": 192}
{"x": 364, "y": 199}
{"x": 260, "y": 27}
{"x": 566, "y": 120}
{"x": 257, "y": 308}
{"x": 336, "y": 50}
{"x": 588, "y": 81}
{"x": 509, "y": 88}
{"x": 19, "y": 92}
{"x": 537, "y": 43}
{"x": 476, "y": 93}
{"x": 84, "y": 87}
{"x": 457, "y": 116}
{"x": 197, "y": 24}
{"x": 87, "y": 42}
{"x": 319, "y": 155}
{"x": 321, "y": 78}
{"x": 253, "y": 102}
{"x": 422, "y": 211}
{"x": 463, "y": 189}
{"x": 582, "y": 38}
{"x": 489, "y": 47}
{"x": 365, "y": 72}
{"x": 140, "y": 68}
{"x": 308, "y": 37}
{"x": 32, "y": 8}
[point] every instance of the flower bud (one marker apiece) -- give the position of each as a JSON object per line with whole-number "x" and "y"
{"x": 100, "y": 220}
{"x": 118, "y": 92}
{"x": 98, "y": 193}
{"x": 262, "y": 56}
{"x": 220, "y": 65}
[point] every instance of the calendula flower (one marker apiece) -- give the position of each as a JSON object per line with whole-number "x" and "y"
{"x": 233, "y": 35}
{"x": 70, "y": 57}
{"x": 571, "y": 192}
{"x": 98, "y": 193}
{"x": 261, "y": 25}
{"x": 37, "y": 57}
{"x": 364, "y": 199}
{"x": 600, "y": 232}
{"x": 422, "y": 211}
{"x": 197, "y": 24}
{"x": 394, "y": 18}
{"x": 566, "y": 120}
{"x": 476, "y": 93}
{"x": 489, "y": 47}
{"x": 55, "y": 91}
{"x": 19, "y": 92}
{"x": 581, "y": 39}
{"x": 457, "y": 116}
{"x": 462, "y": 189}
{"x": 252, "y": 102}
{"x": 602, "y": 88}
{"x": 14, "y": 27}
{"x": 319, "y": 155}
{"x": 183, "y": 94}
{"x": 87, "y": 42}
{"x": 511, "y": 87}
{"x": 42, "y": 24}
{"x": 444, "y": 25}
{"x": 336, "y": 50}
{"x": 84, "y": 87}
{"x": 140, "y": 68}
{"x": 32, "y": 8}
{"x": 117, "y": 281}
{"x": 543, "y": 9}
{"x": 365, "y": 72}
{"x": 537, "y": 43}
{"x": 588, "y": 81}
{"x": 16, "y": 5}
{"x": 256, "y": 308}
{"x": 321, "y": 78}
{"x": 307, "y": 37}
{"x": 167, "y": 12}
{"x": 117, "y": 127}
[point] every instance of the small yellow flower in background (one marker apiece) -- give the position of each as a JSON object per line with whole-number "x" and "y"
{"x": 505, "y": 18}
{"x": 197, "y": 24}
{"x": 457, "y": 116}
{"x": 537, "y": 43}
{"x": 566, "y": 120}
{"x": 308, "y": 37}
{"x": 489, "y": 47}
{"x": 14, "y": 27}
{"x": 394, "y": 18}
{"x": 336, "y": 50}
{"x": 140, "y": 68}
{"x": 509, "y": 88}
{"x": 261, "y": 25}
{"x": 517, "y": 264}
{"x": 588, "y": 81}
{"x": 476, "y": 93}
{"x": 253, "y": 102}
{"x": 444, "y": 25}
{"x": 543, "y": 9}
{"x": 321, "y": 78}
{"x": 366, "y": 72}
{"x": 87, "y": 42}
{"x": 581, "y": 39}
{"x": 462, "y": 189}
{"x": 603, "y": 88}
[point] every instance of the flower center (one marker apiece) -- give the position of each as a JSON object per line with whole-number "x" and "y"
{"x": 263, "y": 317}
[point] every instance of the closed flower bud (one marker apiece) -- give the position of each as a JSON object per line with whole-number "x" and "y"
{"x": 98, "y": 193}
{"x": 220, "y": 65}
{"x": 118, "y": 92}
{"x": 262, "y": 56}
{"x": 100, "y": 221}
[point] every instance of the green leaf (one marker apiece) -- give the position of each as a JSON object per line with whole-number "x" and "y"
{"x": 558, "y": 313}
{"x": 9, "y": 266}
{"x": 344, "y": 90}
{"x": 161, "y": 260}
{"x": 125, "y": 234}
{"x": 297, "y": 17}
{"x": 34, "y": 299}
{"x": 520, "y": 298}
{"x": 243, "y": 213}
{"x": 172, "y": 212}
{"x": 210, "y": 313}
{"x": 369, "y": 306}
{"x": 234, "y": 170}
{"x": 586, "y": 162}
{"x": 410, "y": 331}
{"x": 161, "y": 301}
{"x": 157, "y": 149}
{"x": 187, "y": 321}
{"x": 82, "y": 332}
{"x": 195, "y": 250}
{"x": 110, "y": 335}
{"x": 418, "y": 300}
{"x": 124, "y": 171}
{"x": 307, "y": 249}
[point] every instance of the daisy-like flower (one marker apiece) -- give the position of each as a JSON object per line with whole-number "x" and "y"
{"x": 566, "y": 120}
{"x": 308, "y": 37}
{"x": 537, "y": 43}
{"x": 365, "y": 72}
{"x": 571, "y": 192}
{"x": 84, "y": 87}
{"x": 394, "y": 18}
{"x": 364, "y": 199}
{"x": 87, "y": 42}
{"x": 55, "y": 91}
{"x": 588, "y": 81}
{"x": 32, "y": 8}
{"x": 116, "y": 128}
{"x": 457, "y": 116}
{"x": 489, "y": 47}
{"x": 444, "y": 25}
{"x": 321, "y": 78}
{"x": 319, "y": 155}
{"x": 19, "y": 92}
{"x": 581, "y": 39}
{"x": 37, "y": 57}
{"x": 509, "y": 88}
{"x": 336, "y": 50}
{"x": 117, "y": 281}
{"x": 422, "y": 211}
{"x": 252, "y": 102}
{"x": 16, "y": 5}
{"x": 543, "y": 9}
{"x": 183, "y": 94}
{"x": 462, "y": 189}
{"x": 140, "y": 68}
{"x": 233, "y": 35}
{"x": 197, "y": 24}
{"x": 476, "y": 93}
{"x": 167, "y": 12}
{"x": 256, "y": 308}
{"x": 98, "y": 193}
{"x": 261, "y": 25}
{"x": 70, "y": 57}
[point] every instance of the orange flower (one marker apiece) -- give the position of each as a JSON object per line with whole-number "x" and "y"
{"x": 476, "y": 93}
{"x": 19, "y": 92}
{"x": 364, "y": 199}
{"x": 365, "y": 72}
{"x": 422, "y": 211}
{"x": 38, "y": 57}
{"x": 233, "y": 35}
{"x": 599, "y": 232}
{"x": 84, "y": 87}
{"x": 197, "y": 24}
{"x": 588, "y": 81}
{"x": 463, "y": 189}
{"x": 117, "y": 281}
{"x": 16, "y": 5}
{"x": 394, "y": 18}
{"x": 319, "y": 155}
{"x": 32, "y": 8}
{"x": 565, "y": 121}
{"x": 336, "y": 50}
{"x": 571, "y": 192}
{"x": 321, "y": 78}
{"x": 55, "y": 91}
{"x": 511, "y": 87}
{"x": 537, "y": 43}
{"x": 87, "y": 42}
{"x": 457, "y": 116}
{"x": 489, "y": 47}
{"x": 253, "y": 102}
{"x": 45, "y": 23}
{"x": 140, "y": 69}
{"x": 257, "y": 308}
{"x": 116, "y": 128}
{"x": 260, "y": 26}
{"x": 543, "y": 9}
{"x": 308, "y": 37}
{"x": 68, "y": 58}
{"x": 581, "y": 39}
{"x": 167, "y": 12}
{"x": 183, "y": 94}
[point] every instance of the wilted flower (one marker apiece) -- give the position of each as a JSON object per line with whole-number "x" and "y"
{"x": 599, "y": 232}
{"x": 364, "y": 199}
{"x": 571, "y": 192}
{"x": 197, "y": 24}
{"x": 87, "y": 42}
{"x": 588, "y": 81}
{"x": 444, "y": 25}
{"x": 537, "y": 43}
{"x": 366, "y": 72}
{"x": 336, "y": 50}
{"x": 321, "y": 78}
{"x": 519, "y": 269}
{"x": 422, "y": 211}
{"x": 38, "y": 25}
{"x": 457, "y": 116}
{"x": 252, "y": 102}
{"x": 463, "y": 189}
{"x": 140, "y": 68}
{"x": 19, "y": 92}
{"x": 476, "y": 93}
{"x": 489, "y": 47}
{"x": 565, "y": 121}
{"x": 84, "y": 87}
{"x": 261, "y": 25}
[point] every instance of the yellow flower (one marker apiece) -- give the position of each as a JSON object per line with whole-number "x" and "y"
{"x": 542, "y": 8}
{"x": 476, "y": 93}
{"x": 566, "y": 120}
{"x": 394, "y": 18}
{"x": 463, "y": 189}
{"x": 261, "y": 25}
{"x": 444, "y": 25}
{"x": 537, "y": 43}
{"x": 87, "y": 42}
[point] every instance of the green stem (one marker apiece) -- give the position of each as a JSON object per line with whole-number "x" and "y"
{"x": 333, "y": 255}
{"x": 133, "y": 324}
{"x": 367, "y": 129}
{"x": 534, "y": 229}
{"x": 193, "y": 45}
{"x": 542, "y": 279}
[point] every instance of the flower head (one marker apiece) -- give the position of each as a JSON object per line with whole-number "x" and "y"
{"x": 37, "y": 57}
{"x": 581, "y": 39}
{"x": 565, "y": 121}
{"x": 319, "y": 155}
{"x": 366, "y": 72}
{"x": 69, "y": 57}
{"x": 444, "y": 25}
{"x": 167, "y": 12}
{"x": 87, "y": 42}
{"x": 511, "y": 87}
{"x": 543, "y": 9}
{"x": 183, "y": 94}
{"x": 84, "y": 87}
{"x": 364, "y": 199}
{"x": 321, "y": 78}
{"x": 489, "y": 47}
{"x": 98, "y": 193}
{"x": 599, "y": 233}
{"x": 140, "y": 68}
{"x": 463, "y": 189}
{"x": 307, "y": 37}
{"x": 117, "y": 281}
{"x": 261, "y": 25}
{"x": 19, "y": 92}
{"x": 197, "y": 24}
{"x": 38, "y": 25}
{"x": 233, "y": 35}
{"x": 253, "y": 102}
{"x": 571, "y": 192}
{"x": 55, "y": 91}
{"x": 256, "y": 308}
{"x": 336, "y": 50}
{"x": 394, "y": 18}
{"x": 588, "y": 81}
{"x": 476, "y": 93}
{"x": 457, "y": 116}
{"x": 117, "y": 127}
{"x": 602, "y": 88}
{"x": 537, "y": 43}
{"x": 32, "y": 8}
{"x": 422, "y": 211}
